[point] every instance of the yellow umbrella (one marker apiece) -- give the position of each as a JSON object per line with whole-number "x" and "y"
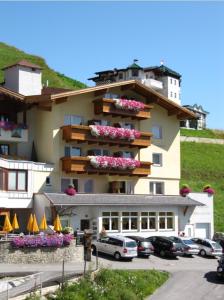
{"x": 57, "y": 224}
{"x": 7, "y": 225}
{"x": 35, "y": 227}
{"x": 15, "y": 224}
{"x": 30, "y": 223}
{"x": 43, "y": 224}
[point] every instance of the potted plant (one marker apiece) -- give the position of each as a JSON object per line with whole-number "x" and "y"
{"x": 185, "y": 190}
{"x": 208, "y": 189}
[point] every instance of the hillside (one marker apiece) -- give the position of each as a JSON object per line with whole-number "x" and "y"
{"x": 206, "y": 133}
{"x": 204, "y": 164}
{"x": 10, "y": 55}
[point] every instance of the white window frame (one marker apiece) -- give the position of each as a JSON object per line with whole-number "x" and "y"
{"x": 129, "y": 216}
{"x": 160, "y": 164}
{"x": 110, "y": 217}
{"x": 150, "y": 215}
{"x": 167, "y": 215}
{"x": 154, "y": 183}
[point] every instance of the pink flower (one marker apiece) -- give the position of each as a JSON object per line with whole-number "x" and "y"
{"x": 104, "y": 162}
{"x": 129, "y": 105}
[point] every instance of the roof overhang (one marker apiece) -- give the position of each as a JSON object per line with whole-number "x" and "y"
{"x": 63, "y": 200}
{"x": 150, "y": 95}
{"x": 12, "y": 94}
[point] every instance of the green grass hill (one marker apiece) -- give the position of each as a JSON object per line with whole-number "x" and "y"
{"x": 203, "y": 164}
{"x": 206, "y": 133}
{"x": 10, "y": 55}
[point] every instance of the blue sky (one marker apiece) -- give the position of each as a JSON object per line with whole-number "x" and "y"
{"x": 80, "y": 38}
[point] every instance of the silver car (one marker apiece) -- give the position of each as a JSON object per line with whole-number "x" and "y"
{"x": 191, "y": 247}
{"x": 208, "y": 247}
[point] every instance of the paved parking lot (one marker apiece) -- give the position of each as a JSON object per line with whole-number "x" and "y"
{"x": 191, "y": 278}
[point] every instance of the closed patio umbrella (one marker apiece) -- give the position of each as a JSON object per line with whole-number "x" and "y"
{"x": 35, "y": 227}
{"x": 57, "y": 224}
{"x": 30, "y": 223}
{"x": 7, "y": 225}
{"x": 43, "y": 223}
{"x": 15, "y": 224}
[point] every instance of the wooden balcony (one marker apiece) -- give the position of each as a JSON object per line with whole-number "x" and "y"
{"x": 81, "y": 165}
{"x": 107, "y": 107}
{"x": 82, "y": 134}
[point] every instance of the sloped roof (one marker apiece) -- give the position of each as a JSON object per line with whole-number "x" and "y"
{"x": 196, "y": 108}
{"x": 164, "y": 70}
{"x": 147, "y": 92}
{"x": 11, "y": 94}
{"x": 59, "y": 199}
{"x": 134, "y": 66}
{"x": 23, "y": 63}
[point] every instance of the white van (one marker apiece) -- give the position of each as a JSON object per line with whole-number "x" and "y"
{"x": 118, "y": 246}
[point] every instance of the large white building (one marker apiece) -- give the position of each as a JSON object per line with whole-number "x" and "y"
{"x": 47, "y": 141}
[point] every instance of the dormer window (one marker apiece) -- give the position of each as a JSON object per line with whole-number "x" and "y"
{"x": 120, "y": 75}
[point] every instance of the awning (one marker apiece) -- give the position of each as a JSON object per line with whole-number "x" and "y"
{"x": 61, "y": 199}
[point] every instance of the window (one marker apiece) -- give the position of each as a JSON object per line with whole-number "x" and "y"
{"x": 175, "y": 95}
{"x": 120, "y": 75}
{"x": 65, "y": 182}
{"x": 48, "y": 180}
{"x": 17, "y": 133}
{"x": 129, "y": 221}
{"x": 110, "y": 221}
{"x": 156, "y": 188}
{"x": 73, "y": 120}
{"x": 4, "y": 149}
{"x": 98, "y": 152}
{"x": 148, "y": 221}
{"x": 121, "y": 187}
{"x": 157, "y": 159}
{"x": 72, "y": 151}
{"x": 171, "y": 94}
{"x": 157, "y": 132}
{"x": 99, "y": 122}
{"x": 3, "y": 179}
{"x": 134, "y": 72}
{"x": 125, "y": 154}
{"x": 175, "y": 82}
{"x": 166, "y": 220}
{"x": 88, "y": 186}
{"x": 127, "y": 125}
{"x": 17, "y": 180}
{"x": 171, "y": 80}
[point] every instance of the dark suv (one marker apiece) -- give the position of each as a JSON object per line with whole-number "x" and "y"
{"x": 145, "y": 248}
{"x": 165, "y": 246}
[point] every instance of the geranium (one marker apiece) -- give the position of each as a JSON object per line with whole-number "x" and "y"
{"x": 37, "y": 241}
{"x": 208, "y": 189}
{"x": 185, "y": 190}
{"x": 114, "y": 133}
{"x": 8, "y": 125}
{"x": 126, "y": 104}
{"x": 104, "y": 162}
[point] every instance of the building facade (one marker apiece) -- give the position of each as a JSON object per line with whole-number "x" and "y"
{"x": 117, "y": 143}
{"x": 200, "y": 122}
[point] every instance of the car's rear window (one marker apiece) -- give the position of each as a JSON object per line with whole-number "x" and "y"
{"x": 216, "y": 245}
{"x": 131, "y": 244}
{"x": 188, "y": 242}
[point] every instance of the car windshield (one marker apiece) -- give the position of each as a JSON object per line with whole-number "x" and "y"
{"x": 131, "y": 244}
{"x": 175, "y": 239}
{"x": 216, "y": 245}
{"x": 188, "y": 242}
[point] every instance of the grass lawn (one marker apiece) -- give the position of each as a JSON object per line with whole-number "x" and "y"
{"x": 204, "y": 164}
{"x": 207, "y": 133}
{"x": 114, "y": 285}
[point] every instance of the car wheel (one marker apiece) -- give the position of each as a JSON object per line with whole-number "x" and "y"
{"x": 162, "y": 253}
{"x": 202, "y": 253}
{"x": 117, "y": 256}
{"x": 93, "y": 249}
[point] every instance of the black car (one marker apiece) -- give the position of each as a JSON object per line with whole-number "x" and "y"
{"x": 220, "y": 268}
{"x": 167, "y": 246}
{"x": 145, "y": 248}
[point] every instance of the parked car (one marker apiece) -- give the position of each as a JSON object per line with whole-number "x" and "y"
{"x": 208, "y": 247}
{"x": 117, "y": 246}
{"x": 219, "y": 238}
{"x": 192, "y": 248}
{"x": 145, "y": 248}
{"x": 166, "y": 246}
{"x": 220, "y": 268}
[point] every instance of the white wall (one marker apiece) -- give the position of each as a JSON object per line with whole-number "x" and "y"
{"x": 12, "y": 78}
{"x": 29, "y": 81}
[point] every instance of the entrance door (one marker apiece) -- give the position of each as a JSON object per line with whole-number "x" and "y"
{"x": 84, "y": 224}
{"x": 189, "y": 230}
{"x": 202, "y": 230}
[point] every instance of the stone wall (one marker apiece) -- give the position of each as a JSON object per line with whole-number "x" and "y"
{"x": 10, "y": 255}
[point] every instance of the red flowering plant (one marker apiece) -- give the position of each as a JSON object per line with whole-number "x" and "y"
{"x": 8, "y": 125}
{"x": 114, "y": 133}
{"x": 185, "y": 190}
{"x": 208, "y": 189}
{"x": 126, "y": 104}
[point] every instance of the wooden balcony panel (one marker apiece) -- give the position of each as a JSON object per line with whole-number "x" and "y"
{"x": 107, "y": 107}
{"x": 81, "y": 165}
{"x": 82, "y": 134}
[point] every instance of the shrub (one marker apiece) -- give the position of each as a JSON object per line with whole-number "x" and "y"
{"x": 208, "y": 189}
{"x": 185, "y": 190}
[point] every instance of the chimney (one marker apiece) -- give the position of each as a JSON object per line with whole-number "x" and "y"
{"x": 24, "y": 78}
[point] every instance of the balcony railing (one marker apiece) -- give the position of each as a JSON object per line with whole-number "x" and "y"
{"x": 81, "y": 165}
{"x": 107, "y": 107}
{"x": 15, "y": 135}
{"x": 81, "y": 134}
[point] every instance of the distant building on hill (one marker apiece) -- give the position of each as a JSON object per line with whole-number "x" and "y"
{"x": 200, "y": 122}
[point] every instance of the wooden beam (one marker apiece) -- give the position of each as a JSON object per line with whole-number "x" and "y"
{"x": 128, "y": 87}
{"x": 45, "y": 108}
{"x": 100, "y": 92}
{"x": 61, "y": 100}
